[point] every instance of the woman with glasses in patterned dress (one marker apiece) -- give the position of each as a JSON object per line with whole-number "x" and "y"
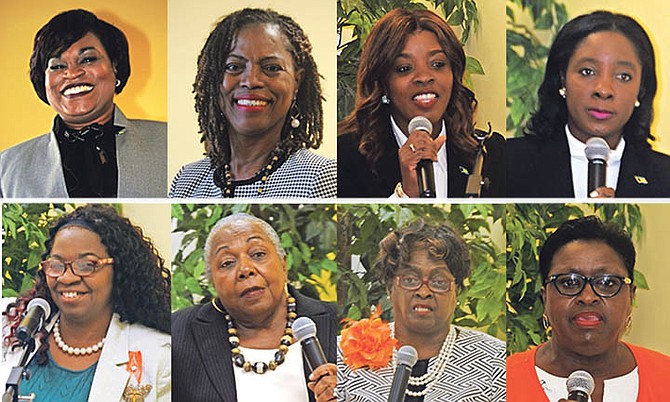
{"x": 107, "y": 335}
{"x": 423, "y": 267}
{"x": 587, "y": 268}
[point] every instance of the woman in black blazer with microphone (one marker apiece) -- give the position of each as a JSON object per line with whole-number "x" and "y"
{"x": 412, "y": 64}
{"x": 600, "y": 81}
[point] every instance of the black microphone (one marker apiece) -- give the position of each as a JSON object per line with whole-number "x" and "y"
{"x": 406, "y": 357}
{"x": 580, "y": 386}
{"x": 38, "y": 311}
{"x": 424, "y": 170}
{"x": 304, "y": 330}
{"x": 597, "y": 152}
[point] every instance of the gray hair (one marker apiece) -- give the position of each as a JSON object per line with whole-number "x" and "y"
{"x": 240, "y": 219}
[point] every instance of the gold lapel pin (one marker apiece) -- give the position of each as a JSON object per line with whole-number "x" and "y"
{"x": 641, "y": 180}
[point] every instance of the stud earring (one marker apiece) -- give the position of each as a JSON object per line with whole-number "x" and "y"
{"x": 561, "y": 91}
{"x": 637, "y": 103}
{"x": 386, "y": 100}
{"x": 117, "y": 83}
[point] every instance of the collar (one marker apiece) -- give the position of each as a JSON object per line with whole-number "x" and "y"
{"x": 577, "y": 148}
{"x": 401, "y": 138}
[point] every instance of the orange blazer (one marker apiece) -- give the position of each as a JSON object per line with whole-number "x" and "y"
{"x": 653, "y": 370}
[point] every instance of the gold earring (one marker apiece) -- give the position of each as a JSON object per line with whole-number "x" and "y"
{"x": 562, "y": 92}
{"x": 546, "y": 324}
{"x": 629, "y": 321}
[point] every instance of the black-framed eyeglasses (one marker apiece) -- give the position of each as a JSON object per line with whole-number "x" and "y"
{"x": 54, "y": 267}
{"x": 604, "y": 285}
{"x": 413, "y": 282}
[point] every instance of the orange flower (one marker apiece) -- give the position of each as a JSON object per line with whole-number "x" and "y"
{"x": 367, "y": 342}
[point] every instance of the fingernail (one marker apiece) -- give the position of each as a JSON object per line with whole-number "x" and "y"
{"x": 593, "y": 194}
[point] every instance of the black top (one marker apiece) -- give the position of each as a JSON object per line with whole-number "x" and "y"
{"x": 202, "y": 367}
{"x": 88, "y": 157}
{"x": 355, "y": 179}
{"x": 541, "y": 168}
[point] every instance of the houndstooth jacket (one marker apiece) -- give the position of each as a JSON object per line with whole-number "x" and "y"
{"x": 303, "y": 175}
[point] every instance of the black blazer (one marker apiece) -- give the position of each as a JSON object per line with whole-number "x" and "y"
{"x": 202, "y": 368}
{"x": 541, "y": 168}
{"x": 355, "y": 179}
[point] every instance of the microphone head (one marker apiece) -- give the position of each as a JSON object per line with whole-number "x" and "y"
{"x": 407, "y": 355}
{"x": 597, "y": 148}
{"x": 420, "y": 123}
{"x": 580, "y": 380}
{"x": 41, "y": 303}
{"x": 303, "y": 328}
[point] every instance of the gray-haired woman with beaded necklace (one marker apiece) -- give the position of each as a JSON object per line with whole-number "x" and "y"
{"x": 423, "y": 267}
{"x": 239, "y": 346}
{"x": 258, "y": 98}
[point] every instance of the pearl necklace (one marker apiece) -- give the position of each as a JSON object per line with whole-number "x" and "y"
{"x": 75, "y": 351}
{"x": 430, "y": 378}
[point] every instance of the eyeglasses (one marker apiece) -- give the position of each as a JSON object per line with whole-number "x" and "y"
{"x": 604, "y": 285}
{"x": 54, "y": 267}
{"x": 413, "y": 282}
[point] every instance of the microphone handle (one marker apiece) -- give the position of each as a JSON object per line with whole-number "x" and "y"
{"x": 578, "y": 396}
{"x": 426, "y": 177}
{"x": 596, "y": 173}
{"x": 399, "y": 384}
{"x": 311, "y": 348}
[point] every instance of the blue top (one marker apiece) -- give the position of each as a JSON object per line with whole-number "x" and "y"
{"x": 54, "y": 383}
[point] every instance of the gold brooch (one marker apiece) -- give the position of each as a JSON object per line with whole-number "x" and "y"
{"x": 136, "y": 394}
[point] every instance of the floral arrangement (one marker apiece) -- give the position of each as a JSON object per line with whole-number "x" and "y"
{"x": 367, "y": 342}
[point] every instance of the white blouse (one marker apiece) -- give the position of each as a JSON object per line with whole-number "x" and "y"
{"x": 285, "y": 384}
{"x": 619, "y": 389}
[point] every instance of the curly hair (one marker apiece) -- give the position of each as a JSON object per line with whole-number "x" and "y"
{"x": 141, "y": 288}
{"x": 589, "y": 228}
{"x": 441, "y": 241}
{"x": 370, "y": 118}
{"x": 549, "y": 120}
{"x": 211, "y": 67}
{"x": 65, "y": 29}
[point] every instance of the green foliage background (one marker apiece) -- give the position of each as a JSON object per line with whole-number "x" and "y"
{"x": 527, "y": 54}
{"x": 362, "y": 226}
{"x": 308, "y": 233}
{"x": 527, "y": 226}
{"x": 361, "y": 15}
{"x": 24, "y": 231}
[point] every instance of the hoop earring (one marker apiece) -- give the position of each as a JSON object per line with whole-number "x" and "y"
{"x": 216, "y": 307}
{"x": 295, "y": 114}
{"x": 117, "y": 83}
{"x": 386, "y": 100}
{"x": 562, "y": 92}
{"x": 629, "y": 321}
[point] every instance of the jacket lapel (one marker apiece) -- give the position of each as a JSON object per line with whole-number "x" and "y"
{"x": 210, "y": 334}
{"x": 111, "y": 376}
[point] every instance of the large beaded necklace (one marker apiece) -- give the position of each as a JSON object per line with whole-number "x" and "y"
{"x": 429, "y": 379}
{"x": 223, "y": 178}
{"x": 74, "y": 351}
{"x": 284, "y": 342}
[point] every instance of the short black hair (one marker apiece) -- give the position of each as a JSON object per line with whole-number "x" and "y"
{"x": 441, "y": 241}
{"x": 65, "y": 29}
{"x": 551, "y": 115}
{"x": 589, "y": 228}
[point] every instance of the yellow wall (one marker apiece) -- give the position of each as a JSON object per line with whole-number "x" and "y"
{"x": 651, "y": 326}
{"x": 488, "y": 46}
{"x": 25, "y": 116}
{"x": 190, "y": 24}
{"x": 154, "y": 219}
